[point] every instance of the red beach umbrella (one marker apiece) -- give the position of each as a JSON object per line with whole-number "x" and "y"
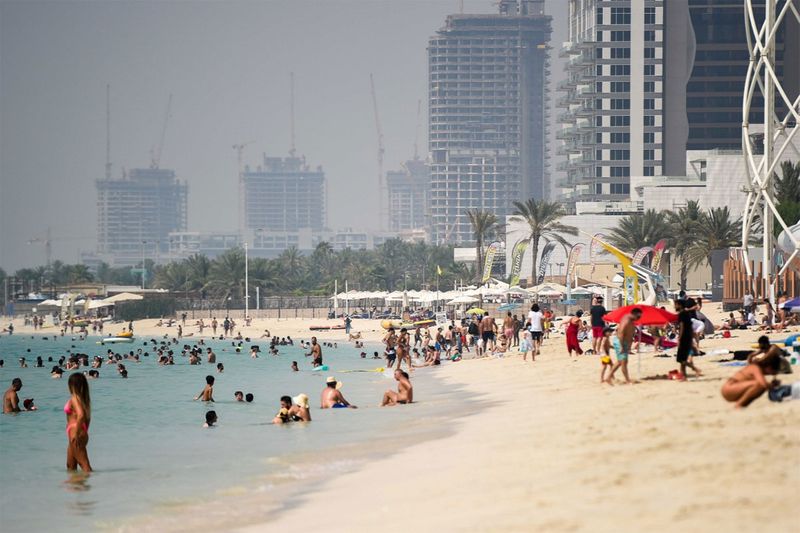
{"x": 651, "y": 315}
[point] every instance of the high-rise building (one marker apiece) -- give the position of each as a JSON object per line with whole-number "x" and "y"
{"x": 136, "y": 214}
{"x": 409, "y": 193}
{"x": 487, "y": 114}
{"x": 284, "y": 194}
{"x": 614, "y": 98}
{"x": 714, "y": 91}
{"x": 649, "y": 79}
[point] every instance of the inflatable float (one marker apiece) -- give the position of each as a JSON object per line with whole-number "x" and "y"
{"x": 399, "y": 324}
{"x": 115, "y": 340}
{"x": 322, "y": 368}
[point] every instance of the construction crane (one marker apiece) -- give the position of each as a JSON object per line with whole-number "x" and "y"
{"x": 48, "y": 245}
{"x": 416, "y": 130}
{"x": 381, "y": 188}
{"x": 291, "y": 114}
{"x": 239, "y": 149}
{"x": 157, "y": 151}
{"x": 108, "y": 131}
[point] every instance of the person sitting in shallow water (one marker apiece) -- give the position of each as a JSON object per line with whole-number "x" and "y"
{"x": 332, "y": 397}
{"x": 749, "y": 383}
{"x": 293, "y": 410}
{"x": 405, "y": 391}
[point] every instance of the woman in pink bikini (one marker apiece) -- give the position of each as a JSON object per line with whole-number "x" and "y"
{"x": 79, "y": 414}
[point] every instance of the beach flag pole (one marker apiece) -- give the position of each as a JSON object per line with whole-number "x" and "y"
{"x": 246, "y": 284}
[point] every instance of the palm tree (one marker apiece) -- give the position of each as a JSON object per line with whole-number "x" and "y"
{"x": 174, "y": 276}
{"x": 542, "y": 218}
{"x": 198, "y": 269}
{"x": 684, "y": 225}
{"x": 639, "y": 230}
{"x": 787, "y": 186}
{"x": 227, "y": 274}
{"x": 483, "y": 223}
{"x": 716, "y": 231}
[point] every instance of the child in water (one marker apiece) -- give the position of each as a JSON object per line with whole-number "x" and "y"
{"x": 208, "y": 392}
{"x": 211, "y": 419}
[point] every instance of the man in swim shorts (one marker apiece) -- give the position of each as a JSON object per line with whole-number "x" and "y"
{"x": 331, "y": 397}
{"x": 623, "y": 341}
{"x": 488, "y": 327}
{"x": 316, "y": 353}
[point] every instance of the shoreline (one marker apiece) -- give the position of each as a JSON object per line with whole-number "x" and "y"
{"x": 548, "y": 449}
{"x": 553, "y": 450}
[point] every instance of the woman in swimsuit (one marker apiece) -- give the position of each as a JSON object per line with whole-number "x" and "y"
{"x": 749, "y": 383}
{"x": 79, "y": 415}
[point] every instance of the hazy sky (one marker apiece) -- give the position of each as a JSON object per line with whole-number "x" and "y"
{"x": 227, "y": 65}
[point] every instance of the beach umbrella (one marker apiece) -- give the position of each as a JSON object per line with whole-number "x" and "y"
{"x": 651, "y": 315}
{"x": 794, "y": 302}
{"x": 464, "y": 299}
{"x": 123, "y": 297}
{"x": 475, "y": 310}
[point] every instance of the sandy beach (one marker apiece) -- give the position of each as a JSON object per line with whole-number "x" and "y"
{"x": 553, "y": 450}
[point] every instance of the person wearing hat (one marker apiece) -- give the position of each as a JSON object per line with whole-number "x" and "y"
{"x": 332, "y": 397}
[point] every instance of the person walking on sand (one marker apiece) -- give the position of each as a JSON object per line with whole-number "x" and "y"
{"x": 574, "y": 326}
{"x": 488, "y": 328}
{"x": 536, "y": 327}
{"x": 214, "y": 325}
{"x": 79, "y": 415}
{"x": 597, "y": 312}
{"x": 685, "y": 339}
{"x": 405, "y": 391}
{"x": 622, "y": 343}
{"x": 508, "y": 326}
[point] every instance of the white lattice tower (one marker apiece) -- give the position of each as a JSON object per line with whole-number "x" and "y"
{"x": 762, "y": 78}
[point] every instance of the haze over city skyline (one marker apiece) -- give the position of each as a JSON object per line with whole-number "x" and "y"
{"x": 227, "y": 66}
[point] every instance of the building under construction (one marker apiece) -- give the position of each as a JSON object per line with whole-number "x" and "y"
{"x": 487, "y": 124}
{"x": 135, "y": 215}
{"x": 409, "y": 194}
{"x": 283, "y": 194}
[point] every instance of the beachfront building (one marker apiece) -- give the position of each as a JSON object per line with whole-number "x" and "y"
{"x": 488, "y": 104}
{"x": 283, "y": 194}
{"x": 137, "y": 213}
{"x": 714, "y": 91}
{"x": 409, "y": 193}
{"x": 649, "y": 79}
{"x": 183, "y": 244}
{"x": 614, "y": 98}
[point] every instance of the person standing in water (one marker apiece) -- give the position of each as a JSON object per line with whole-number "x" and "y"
{"x": 10, "y": 398}
{"x": 315, "y": 353}
{"x": 79, "y": 415}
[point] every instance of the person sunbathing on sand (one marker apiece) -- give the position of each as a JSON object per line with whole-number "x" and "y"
{"x": 405, "y": 391}
{"x": 749, "y": 383}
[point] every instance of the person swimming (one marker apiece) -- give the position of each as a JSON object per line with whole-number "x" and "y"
{"x": 211, "y": 419}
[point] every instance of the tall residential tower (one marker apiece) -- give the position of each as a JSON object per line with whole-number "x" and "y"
{"x": 487, "y": 114}
{"x": 284, "y": 194}
{"x": 136, "y": 214}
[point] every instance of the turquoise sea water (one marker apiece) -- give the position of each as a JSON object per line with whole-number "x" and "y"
{"x": 149, "y": 450}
